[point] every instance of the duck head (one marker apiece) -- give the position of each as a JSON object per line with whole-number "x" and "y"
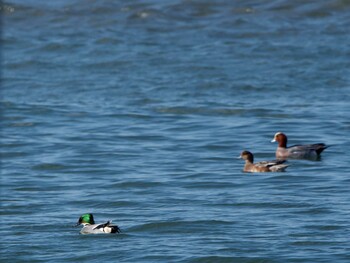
{"x": 86, "y": 219}
{"x": 248, "y": 156}
{"x": 281, "y": 138}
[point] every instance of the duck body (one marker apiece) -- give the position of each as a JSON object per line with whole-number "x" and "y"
{"x": 310, "y": 151}
{"x": 89, "y": 226}
{"x": 106, "y": 228}
{"x": 307, "y": 151}
{"x": 261, "y": 167}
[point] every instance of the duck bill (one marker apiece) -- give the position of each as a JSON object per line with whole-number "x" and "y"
{"x": 273, "y": 140}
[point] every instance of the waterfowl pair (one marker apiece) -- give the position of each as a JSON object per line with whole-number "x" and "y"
{"x": 308, "y": 151}
{"x": 89, "y": 226}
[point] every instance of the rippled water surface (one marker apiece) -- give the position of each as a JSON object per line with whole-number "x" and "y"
{"x": 135, "y": 111}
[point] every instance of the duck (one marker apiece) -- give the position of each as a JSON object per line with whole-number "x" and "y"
{"x": 261, "y": 167}
{"x": 307, "y": 151}
{"x": 89, "y": 226}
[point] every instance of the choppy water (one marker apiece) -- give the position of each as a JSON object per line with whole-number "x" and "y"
{"x": 136, "y": 110}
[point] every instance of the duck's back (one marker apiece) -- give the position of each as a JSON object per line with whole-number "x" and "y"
{"x": 266, "y": 166}
{"x": 301, "y": 151}
{"x": 90, "y": 229}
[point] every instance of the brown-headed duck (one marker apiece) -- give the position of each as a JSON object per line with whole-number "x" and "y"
{"x": 261, "y": 167}
{"x": 308, "y": 151}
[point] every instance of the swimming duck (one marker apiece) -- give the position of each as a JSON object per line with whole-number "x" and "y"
{"x": 308, "y": 151}
{"x": 261, "y": 167}
{"x": 89, "y": 226}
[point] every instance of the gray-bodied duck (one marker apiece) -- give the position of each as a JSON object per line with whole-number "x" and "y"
{"x": 306, "y": 151}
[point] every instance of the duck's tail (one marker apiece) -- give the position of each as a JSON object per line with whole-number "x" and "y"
{"x": 320, "y": 147}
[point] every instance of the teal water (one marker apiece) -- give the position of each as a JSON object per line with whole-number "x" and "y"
{"x": 135, "y": 111}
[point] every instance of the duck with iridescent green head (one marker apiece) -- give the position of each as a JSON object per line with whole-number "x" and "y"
{"x": 89, "y": 226}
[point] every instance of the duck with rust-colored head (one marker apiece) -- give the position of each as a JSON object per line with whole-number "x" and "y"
{"x": 307, "y": 151}
{"x": 89, "y": 226}
{"x": 261, "y": 167}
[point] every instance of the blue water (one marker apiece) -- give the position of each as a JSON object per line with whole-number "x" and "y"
{"x": 135, "y": 111}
